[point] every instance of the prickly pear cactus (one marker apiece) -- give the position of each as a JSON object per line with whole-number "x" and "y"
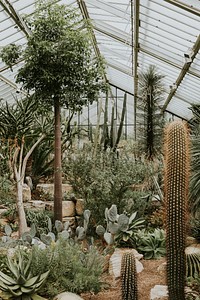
{"x": 129, "y": 277}
{"x": 176, "y": 196}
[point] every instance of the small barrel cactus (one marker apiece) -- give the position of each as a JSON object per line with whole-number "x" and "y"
{"x": 129, "y": 277}
{"x": 176, "y": 196}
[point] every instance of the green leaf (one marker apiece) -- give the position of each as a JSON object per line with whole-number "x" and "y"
{"x": 37, "y": 297}
{"x": 132, "y": 217}
{"x": 112, "y": 213}
{"x": 7, "y": 279}
{"x": 31, "y": 281}
{"x": 12, "y": 267}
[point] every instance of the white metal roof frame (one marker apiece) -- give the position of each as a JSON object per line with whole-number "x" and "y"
{"x": 130, "y": 35}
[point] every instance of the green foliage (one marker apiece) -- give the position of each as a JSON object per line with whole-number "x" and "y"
{"x": 10, "y": 54}
{"x": 195, "y": 228}
{"x": 194, "y": 191}
{"x": 58, "y": 58}
{"x": 7, "y": 192}
{"x": 156, "y": 219}
{"x": 40, "y": 219}
{"x": 194, "y": 284}
{"x": 150, "y": 120}
{"x": 21, "y": 284}
{"x": 71, "y": 269}
{"x": 17, "y": 119}
{"x": 129, "y": 277}
{"x": 120, "y": 228}
{"x": 103, "y": 180}
{"x": 176, "y": 199}
{"x": 151, "y": 244}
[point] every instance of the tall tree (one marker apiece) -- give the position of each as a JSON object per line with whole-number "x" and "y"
{"x": 61, "y": 70}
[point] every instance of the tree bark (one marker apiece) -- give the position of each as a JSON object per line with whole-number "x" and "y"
{"x": 19, "y": 176}
{"x": 20, "y": 209}
{"x": 57, "y": 164}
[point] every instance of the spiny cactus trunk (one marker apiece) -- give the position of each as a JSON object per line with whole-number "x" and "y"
{"x": 129, "y": 277}
{"x": 176, "y": 196}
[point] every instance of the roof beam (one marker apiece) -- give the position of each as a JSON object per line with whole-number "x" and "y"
{"x": 127, "y": 42}
{"x": 182, "y": 74}
{"x": 135, "y": 22}
{"x": 11, "y": 84}
{"x": 85, "y": 14}
{"x": 110, "y": 9}
{"x": 15, "y": 16}
{"x": 184, "y": 6}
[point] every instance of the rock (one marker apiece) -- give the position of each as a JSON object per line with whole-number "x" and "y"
{"x": 162, "y": 268}
{"x": 190, "y": 241}
{"x": 68, "y": 209}
{"x": 159, "y": 292}
{"x": 71, "y": 220}
{"x": 38, "y": 204}
{"x": 193, "y": 249}
{"x": 49, "y": 206}
{"x": 3, "y": 222}
{"x": 48, "y": 188}
{"x": 2, "y": 211}
{"x": 67, "y": 296}
{"x": 79, "y": 207}
{"x": 116, "y": 258}
{"x": 26, "y": 193}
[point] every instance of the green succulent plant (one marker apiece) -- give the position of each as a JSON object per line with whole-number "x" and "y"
{"x": 20, "y": 285}
{"x": 151, "y": 244}
{"x": 120, "y": 228}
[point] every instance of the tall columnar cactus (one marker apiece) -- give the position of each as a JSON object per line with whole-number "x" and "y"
{"x": 129, "y": 277}
{"x": 176, "y": 196}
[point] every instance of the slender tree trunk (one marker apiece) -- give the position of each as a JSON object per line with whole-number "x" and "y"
{"x": 20, "y": 208}
{"x": 150, "y": 134}
{"x": 19, "y": 168}
{"x": 57, "y": 164}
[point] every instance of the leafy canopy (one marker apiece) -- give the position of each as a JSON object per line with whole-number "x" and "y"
{"x": 59, "y": 62}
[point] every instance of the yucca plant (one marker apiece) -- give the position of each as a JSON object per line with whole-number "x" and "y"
{"x": 149, "y": 119}
{"x": 20, "y": 285}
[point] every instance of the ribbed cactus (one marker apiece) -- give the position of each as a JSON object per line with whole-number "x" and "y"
{"x": 129, "y": 277}
{"x": 176, "y": 196}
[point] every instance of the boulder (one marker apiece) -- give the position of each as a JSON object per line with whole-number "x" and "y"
{"x": 67, "y": 296}
{"x": 37, "y": 204}
{"x": 159, "y": 292}
{"x": 48, "y": 188}
{"x": 68, "y": 209}
{"x": 116, "y": 258}
{"x": 79, "y": 207}
{"x": 162, "y": 269}
{"x": 26, "y": 193}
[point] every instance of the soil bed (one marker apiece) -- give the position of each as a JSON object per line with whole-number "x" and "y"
{"x": 147, "y": 279}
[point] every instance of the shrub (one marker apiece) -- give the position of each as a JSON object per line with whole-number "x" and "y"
{"x": 71, "y": 269}
{"x": 103, "y": 180}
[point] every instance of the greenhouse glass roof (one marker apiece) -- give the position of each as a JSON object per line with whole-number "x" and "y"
{"x": 130, "y": 35}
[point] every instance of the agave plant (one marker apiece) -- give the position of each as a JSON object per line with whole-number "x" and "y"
{"x": 151, "y": 244}
{"x": 20, "y": 285}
